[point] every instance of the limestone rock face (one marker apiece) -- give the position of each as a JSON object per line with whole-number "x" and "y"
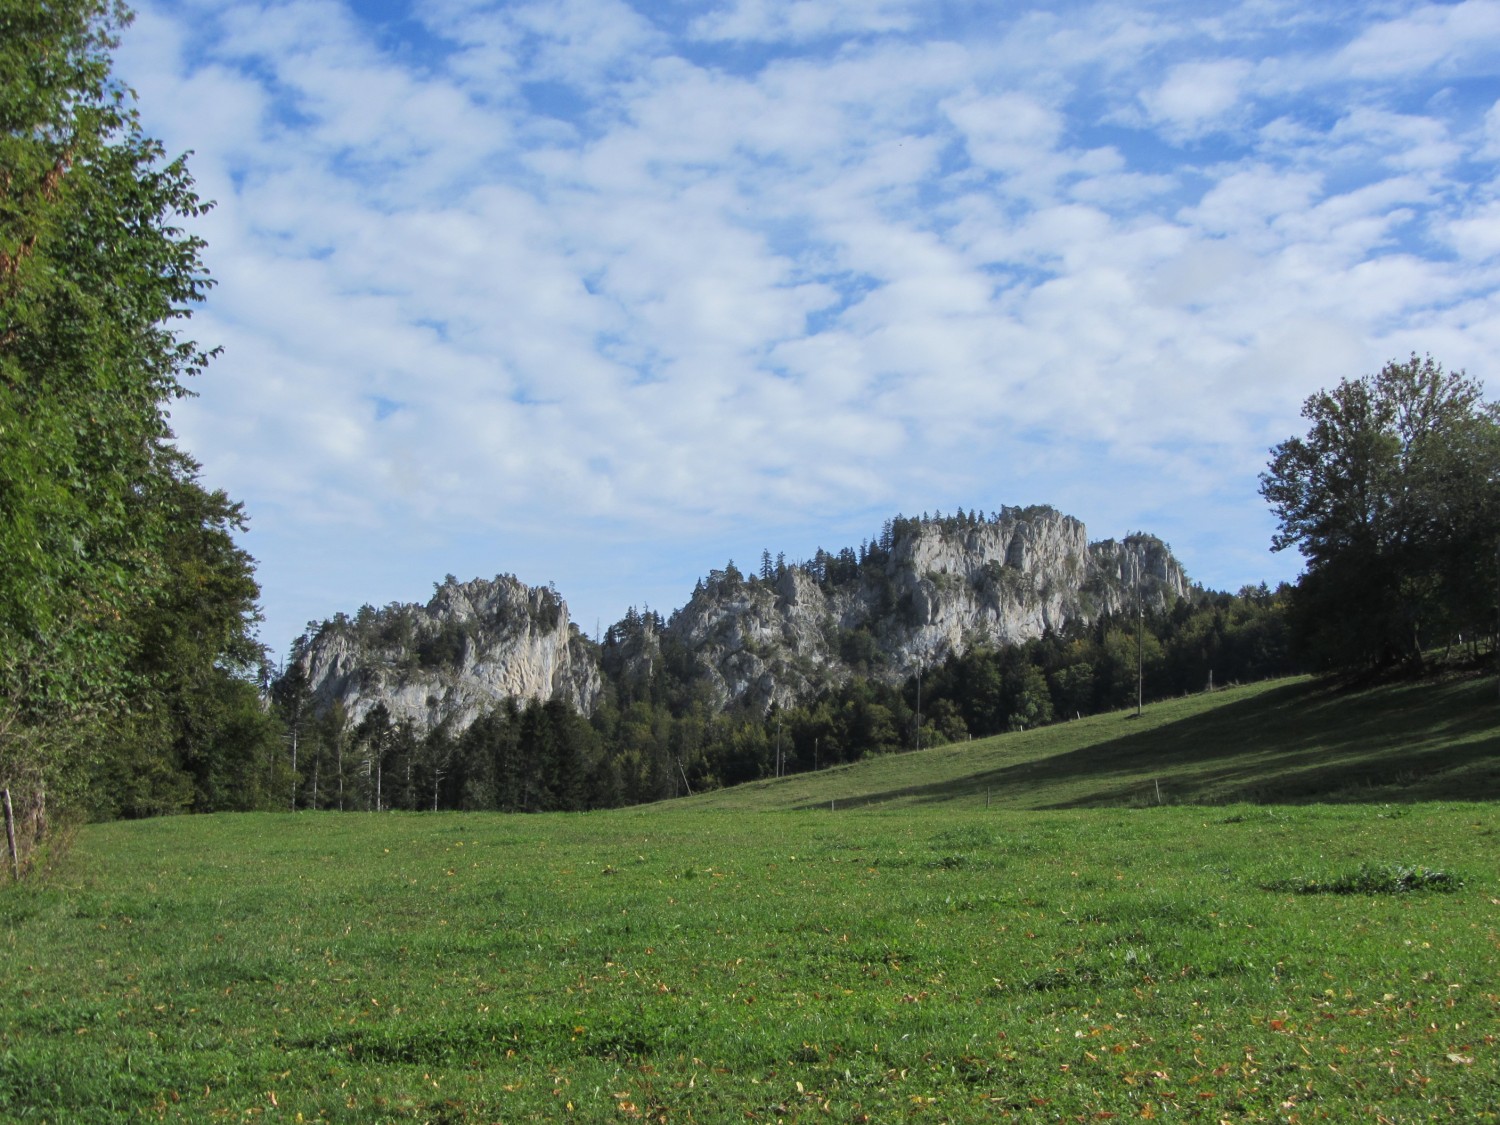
{"x": 473, "y": 646}
{"x": 930, "y": 588}
{"x": 926, "y": 589}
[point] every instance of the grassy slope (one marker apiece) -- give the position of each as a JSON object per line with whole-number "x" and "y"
{"x": 923, "y": 959}
{"x": 1284, "y": 741}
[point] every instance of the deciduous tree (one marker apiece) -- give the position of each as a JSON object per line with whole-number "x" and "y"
{"x": 1392, "y": 499}
{"x": 94, "y": 275}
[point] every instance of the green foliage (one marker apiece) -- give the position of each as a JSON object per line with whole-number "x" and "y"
{"x": 445, "y": 648}
{"x": 91, "y": 277}
{"x": 858, "y": 649}
{"x": 192, "y": 716}
{"x": 124, "y": 604}
{"x": 1028, "y": 702}
{"x": 542, "y": 758}
{"x": 1393, "y": 498}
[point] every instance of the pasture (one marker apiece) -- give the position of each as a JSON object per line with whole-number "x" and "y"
{"x": 1041, "y": 926}
{"x": 934, "y": 964}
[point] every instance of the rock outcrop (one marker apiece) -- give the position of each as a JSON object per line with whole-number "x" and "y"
{"x": 472, "y": 646}
{"x": 925, "y": 589}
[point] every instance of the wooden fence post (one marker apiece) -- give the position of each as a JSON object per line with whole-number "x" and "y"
{"x": 10, "y": 837}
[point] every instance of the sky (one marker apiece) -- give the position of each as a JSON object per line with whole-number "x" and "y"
{"x": 607, "y": 293}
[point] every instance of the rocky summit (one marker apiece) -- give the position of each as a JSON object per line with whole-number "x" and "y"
{"x": 924, "y": 589}
{"x": 473, "y": 646}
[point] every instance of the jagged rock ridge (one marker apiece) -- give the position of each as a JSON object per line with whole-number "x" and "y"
{"x": 472, "y": 646}
{"x": 926, "y": 588}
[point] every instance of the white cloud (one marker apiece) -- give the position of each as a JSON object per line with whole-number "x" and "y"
{"x": 796, "y": 20}
{"x": 586, "y": 42}
{"x": 1490, "y": 148}
{"x": 1441, "y": 36}
{"x": 1477, "y": 234}
{"x": 1246, "y": 202}
{"x": 1403, "y": 141}
{"x": 1199, "y": 97}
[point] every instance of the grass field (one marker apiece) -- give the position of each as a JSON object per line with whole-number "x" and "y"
{"x": 1283, "y": 741}
{"x": 923, "y": 959}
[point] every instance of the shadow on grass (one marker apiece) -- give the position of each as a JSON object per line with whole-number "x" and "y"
{"x": 1296, "y": 744}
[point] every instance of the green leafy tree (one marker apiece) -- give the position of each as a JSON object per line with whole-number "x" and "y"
{"x": 1028, "y": 698}
{"x": 93, "y": 275}
{"x": 374, "y": 737}
{"x": 1391, "y": 499}
{"x": 173, "y": 747}
{"x": 292, "y": 696}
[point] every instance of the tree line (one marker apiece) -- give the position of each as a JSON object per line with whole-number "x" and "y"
{"x": 1393, "y": 499}
{"x": 659, "y": 735}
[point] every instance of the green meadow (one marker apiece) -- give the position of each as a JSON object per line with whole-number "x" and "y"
{"x": 1017, "y": 928}
{"x": 1281, "y": 741}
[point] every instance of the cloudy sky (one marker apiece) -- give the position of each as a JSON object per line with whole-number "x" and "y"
{"x": 608, "y": 292}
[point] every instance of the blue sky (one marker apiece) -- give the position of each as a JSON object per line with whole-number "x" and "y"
{"x": 606, "y": 293}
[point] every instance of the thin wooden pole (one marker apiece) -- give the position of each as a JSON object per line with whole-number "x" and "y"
{"x": 10, "y": 837}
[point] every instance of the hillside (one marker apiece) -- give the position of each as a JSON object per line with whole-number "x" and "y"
{"x": 1281, "y": 741}
{"x": 907, "y": 954}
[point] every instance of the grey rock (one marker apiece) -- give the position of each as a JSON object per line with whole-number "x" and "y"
{"x": 928, "y": 589}
{"x": 939, "y": 588}
{"x": 472, "y": 646}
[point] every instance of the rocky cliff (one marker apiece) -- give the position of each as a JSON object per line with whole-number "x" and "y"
{"x": 924, "y": 589}
{"x": 472, "y": 646}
